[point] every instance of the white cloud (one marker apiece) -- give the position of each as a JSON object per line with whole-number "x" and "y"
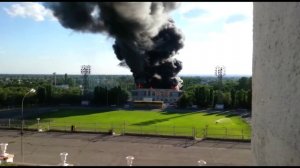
{"x": 32, "y": 10}
{"x": 211, "y": 41}
{"x": 215, "y": 11}
{"x": 231, "y": 48}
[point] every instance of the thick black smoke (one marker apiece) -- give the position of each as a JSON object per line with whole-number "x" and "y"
{"x": 145, "y": 36}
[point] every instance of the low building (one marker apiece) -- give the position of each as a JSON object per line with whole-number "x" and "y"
{"x": 147, "y": 104}
{"x": 62, "y": 86}
{"x": 168, "y": 96}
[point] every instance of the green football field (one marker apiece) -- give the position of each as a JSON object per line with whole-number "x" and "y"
{"x": 178, "y": 123}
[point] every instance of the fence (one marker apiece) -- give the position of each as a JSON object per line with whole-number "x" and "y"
{"x": 125, "y": 128}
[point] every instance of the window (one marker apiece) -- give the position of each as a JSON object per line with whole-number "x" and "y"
{"x": 174, "y": 94}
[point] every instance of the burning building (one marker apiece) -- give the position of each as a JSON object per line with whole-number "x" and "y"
{"x": 146, "y": 38}
{"x": 148, "y": 95}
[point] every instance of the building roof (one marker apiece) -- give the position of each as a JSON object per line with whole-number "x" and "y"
{"x": 174, "y": 90}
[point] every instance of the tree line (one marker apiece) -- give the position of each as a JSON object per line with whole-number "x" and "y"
{"x": 45, "y": 95}
{"x": 203, "y": 92}
{"x": 114, "y": 96}
{"x": 233, "y": 94}
{"x": 49, "y": 95}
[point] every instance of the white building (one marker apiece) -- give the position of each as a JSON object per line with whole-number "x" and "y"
{"x": 165, "y": 95}
{"x": 62, "y": 86}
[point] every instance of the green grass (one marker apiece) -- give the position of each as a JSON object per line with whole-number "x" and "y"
{"x": 148, "y": 122}
{"x": 7, "y": 164}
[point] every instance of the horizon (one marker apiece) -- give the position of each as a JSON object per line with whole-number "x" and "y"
{"x": 196, "y": 75}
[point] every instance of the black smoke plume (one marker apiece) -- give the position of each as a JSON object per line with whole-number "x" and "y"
{"x": 146, "y": 38}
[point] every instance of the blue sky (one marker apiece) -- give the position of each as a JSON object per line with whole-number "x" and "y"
{"x": 33, "y": 42}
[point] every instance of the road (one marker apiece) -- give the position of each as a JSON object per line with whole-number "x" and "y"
{"x": 43, "y": 148}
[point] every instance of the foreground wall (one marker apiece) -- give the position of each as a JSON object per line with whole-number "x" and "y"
{"x": 276, "y": 83}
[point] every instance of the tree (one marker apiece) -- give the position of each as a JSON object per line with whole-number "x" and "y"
{"x": 244, "y": 83}
{"x": 184, "y": 101}
{"x": 191, "y": 81}
{"x": 118, "y": 96}
{"x": 211, "y": 97}
{"x": 3, "y": 96}
{"x": 201, "y": 95}
{"x": 71, "y": 82}
{"x": 218, "y": 97}
{"x": 227, "y": 101}
{"x": 66, "y": 78}
{"x": 241, "y": 97}
{"x": 41, "y": 95}
{"x": 66, "y": 96}
{"x": 249, "y": 99}
{"x": 123, "y": 96}
{"x": 230, "y": 85}
{"x": 100, "y": 95}
{"x": 48, "y": 93}
{"x": 250, "y": 83}
{"x": 233, "y": 97}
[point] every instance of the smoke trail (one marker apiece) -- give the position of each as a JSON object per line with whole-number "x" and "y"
{"x": 146, "y": 38}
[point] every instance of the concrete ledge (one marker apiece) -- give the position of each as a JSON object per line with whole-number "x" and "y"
{"x": 135, "y": 134}
{"x": 221, "y": 139}
{"x": 30, "y": 164}
{"x": 162, "y": 136}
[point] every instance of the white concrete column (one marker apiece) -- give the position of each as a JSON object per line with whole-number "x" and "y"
{"x": 276, "y": 83}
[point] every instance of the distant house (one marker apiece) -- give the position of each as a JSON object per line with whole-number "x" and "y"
{"x": 62, "y": 86}
{"x": 165, "y": 95}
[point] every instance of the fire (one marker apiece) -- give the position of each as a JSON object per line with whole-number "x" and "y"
{"x": 139, "y": 85}
{"x": 175, "y": 87}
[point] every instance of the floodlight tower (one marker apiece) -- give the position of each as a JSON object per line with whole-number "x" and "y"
{"x": 220, "y": 72}
{"x": 85, "y": 71}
